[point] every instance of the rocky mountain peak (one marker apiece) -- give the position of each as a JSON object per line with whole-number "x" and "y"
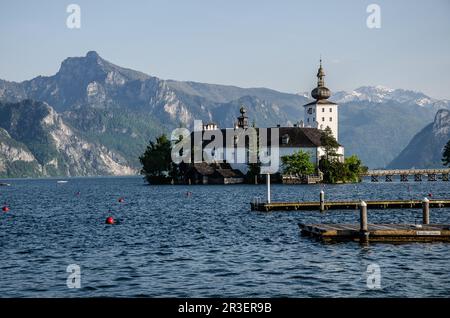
{"x": 92, "y": 55}
{"x": 441, "y": 125}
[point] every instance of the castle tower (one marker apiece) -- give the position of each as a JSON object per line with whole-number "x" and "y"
{"x": 322, "y": 113}
{"x": 242, "y": 121}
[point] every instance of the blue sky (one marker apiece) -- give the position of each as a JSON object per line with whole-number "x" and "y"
{"x": 249, "y": 43}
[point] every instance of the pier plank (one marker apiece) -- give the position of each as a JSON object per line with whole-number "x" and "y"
{"x": 379, "y": 232}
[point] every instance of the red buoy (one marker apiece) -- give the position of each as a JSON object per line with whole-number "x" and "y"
{"x": 109, "y": 220}
{"x": 121, "y": 200}
{"x": 430, "y": 194}
{"x": 5, "y": 209}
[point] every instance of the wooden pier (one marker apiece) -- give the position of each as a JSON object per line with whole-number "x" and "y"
{"x": 378, "y": 232}
{"x": 344, "y": 205}
{"x": 365, "y": 232}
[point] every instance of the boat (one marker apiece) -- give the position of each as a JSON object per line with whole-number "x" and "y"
{"x": 4, "y": 184}
{"x": 62, "y": 181}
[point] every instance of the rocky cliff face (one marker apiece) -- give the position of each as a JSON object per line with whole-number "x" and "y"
{"x": 425, "y": 149}
{"x": 35, "y": 139}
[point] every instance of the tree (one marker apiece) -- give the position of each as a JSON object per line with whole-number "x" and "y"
{"x": 157, "y": 165}
{"x": 299, "y": 163}
{"x": 446, "y": 154}
{"x": 353, "y": 168}
{"x": 335, "y": 171}
{"x": 329, "y": 144}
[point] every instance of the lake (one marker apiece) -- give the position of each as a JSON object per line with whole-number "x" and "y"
{"x": 207, "y": 244}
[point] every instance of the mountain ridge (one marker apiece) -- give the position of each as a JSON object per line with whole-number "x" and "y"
{"x": 426, "y": 147}
{"x": 122, "y": 109}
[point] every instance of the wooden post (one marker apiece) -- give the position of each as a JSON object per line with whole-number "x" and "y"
{"x": 322, "y": 201}
{"x": 268, "y": 188}
{"x": 363, "y": 228}
{"x": 256, "y": 179}
{"x": 426, "y": 211}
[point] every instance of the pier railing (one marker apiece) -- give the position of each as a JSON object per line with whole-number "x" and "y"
{"x": 408, "y": 172}
{"x": 432, "y": 174}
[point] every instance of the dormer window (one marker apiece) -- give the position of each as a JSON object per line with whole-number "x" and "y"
{"x": 285, "y": 139}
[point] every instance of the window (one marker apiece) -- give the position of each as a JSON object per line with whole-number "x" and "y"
{"x": 310, "y": 110}
{"x": 331, "y": 118}
{"x": 323, "y": 110}
{"x": 331, "y": 110}
{"x": 308, "y": 120}
{"x": 323, "y": 118}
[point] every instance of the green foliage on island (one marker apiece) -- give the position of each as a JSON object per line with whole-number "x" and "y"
{"x": 446, "y": 154}
{"x": 299, "y": 163}
{"x": 157, "y": 164}
{"x": 333, "y": 168}
{"x": 331, "y": 165}
{"x": 335, "y": 171}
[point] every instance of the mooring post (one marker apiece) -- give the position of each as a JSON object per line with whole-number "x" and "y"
{"x": 268, "y": 188}
{"x": 426, "y": 211}
{"x": 322, "y": 201}
{"x": 363, "y": 228}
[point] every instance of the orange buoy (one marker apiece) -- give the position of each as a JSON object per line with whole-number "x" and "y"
{"x": 5, "y": 208}
{"x": 110, "y": 220}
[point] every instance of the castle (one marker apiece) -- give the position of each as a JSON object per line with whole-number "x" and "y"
{"x": 306, "y": 136}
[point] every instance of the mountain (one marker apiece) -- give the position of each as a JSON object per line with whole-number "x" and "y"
{"x": 381, "y": 94}
{"x": 122, "y": 109}
{"x": 377, "y": 132}
{"x": 119, "y": 110}
{"x": 36, "y": 141}
{"x": 426, "y": 147}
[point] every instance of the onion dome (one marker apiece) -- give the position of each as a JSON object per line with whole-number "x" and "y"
{"x": 320, "y": 92}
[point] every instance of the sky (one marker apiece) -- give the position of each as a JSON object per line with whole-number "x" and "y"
{"x": 247, "y": 43}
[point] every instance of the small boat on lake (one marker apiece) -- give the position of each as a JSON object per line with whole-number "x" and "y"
{"x": 4, "y": 184}
{"x": 62, "y": 181}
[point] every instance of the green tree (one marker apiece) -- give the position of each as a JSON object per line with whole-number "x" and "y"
{"x": 336, "y": 171}
{"x": 329, "y": 144}
{"x": 157, "y": 165}
{"x": 446, "y": 154}
{"x": 297, "y": 163}
{"x": 353, "y": 168}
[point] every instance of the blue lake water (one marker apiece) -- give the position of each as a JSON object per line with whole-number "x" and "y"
{"x": 208, "y": 244}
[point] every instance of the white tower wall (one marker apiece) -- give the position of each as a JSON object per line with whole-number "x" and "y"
{"x": 322, "y": 116}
